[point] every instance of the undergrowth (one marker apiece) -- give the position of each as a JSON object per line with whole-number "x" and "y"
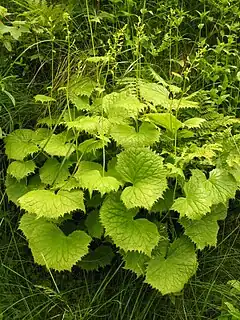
{"x": 120, "y": 147}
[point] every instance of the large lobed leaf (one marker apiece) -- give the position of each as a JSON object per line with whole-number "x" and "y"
{"x": 127, "y": 233}
{"x": 169, "y": 274}
{"x": 165, "y": 120}
{"x": 144, "y": 169}
{"x": 45, "y": 203}
{"x": 197, "y": 202}
{"x": 127, "y": 136}
{"x": 204, "y": 232}
{"x": 50, "y": 246}
{"x": 20, "y": 143}
{"x": 92, "y": 176}
{"x": 57, "y": 145}
{"x": 21, "y": 169}
{"x": 54, "y": 172}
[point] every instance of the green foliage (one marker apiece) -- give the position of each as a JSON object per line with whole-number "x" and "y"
{"x": 204, "y": 232}
{"x": 120, "y": 149}
{"x": 53, "y": 172}
{"x": 91, "y": 176}
{"x": 98, "y": 258}
{"x": 45, "y": 203}
{"x": 197, "y": 202}
{"x": 50, "y": 246}
{"x": 177, "y": 267}
{"x": 127, "y": 233}
{"x": 21, "y": 143}
{"x": 144, "y": 169}
{"x": 120, "y": 157}
{"x": 127, "y": 136}
{"x": 136, "y": 262}
{"x": 21, "y": 169}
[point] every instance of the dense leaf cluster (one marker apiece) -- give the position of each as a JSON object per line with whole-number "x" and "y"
{"x": 127, "y": 168}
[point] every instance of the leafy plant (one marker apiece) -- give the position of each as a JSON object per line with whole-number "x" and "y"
{"x": 230, "y": 310}
{"x": 134, "y": 171}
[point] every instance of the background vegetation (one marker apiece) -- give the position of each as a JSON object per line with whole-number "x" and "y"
{"x": 189, "y": 44}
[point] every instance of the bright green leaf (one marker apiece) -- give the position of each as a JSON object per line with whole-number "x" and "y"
{"x": 165, "y": 120}
{"x": 81, "y": 86}
{"x": 91, "y": 176}
{"x": 221, "y": 186}
{"x": 42, "y": 98}
{"x": 50, "y": 246}
{"x": 57, "y": 145}
{"x": 127, "y": 233}
{"x": 53, "y": 172}
{"x": 127, "y": 136}
{"x": 197, "y": 201}
{"x": 45, "y": 203}
{"x": 153, "y": 92}
{"x": 122, "y": 105}
{"x": 170, "y": 274}
{"x": 91, "y": 145}
{"x": 91, "y": 125}
{"x": 135, "y": 261}
{"x": 20, "y": 143}
{"x": 202, "y": 232}
{"x": 144, "y": 169}
{"x": 21, "y": 169}
{"x": 194, "y": 122}
{"x": 15, "y": 189}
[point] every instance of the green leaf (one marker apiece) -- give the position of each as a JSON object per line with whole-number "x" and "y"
{"x": 194, "y": 122}
{"x": 170, "y": 274}
{"x": 135, "y": 261}
{"x": 98, "y": 258}
{"x": 50, "y": 246}
{"x": 122, "y": 105}
{"x": 219, "y": 211}
{"x": 91, "y": 176}
{"x": 20, "y": 143}
{"x": 164, "y": 204}
{"x": 144, "y": 169}
{"x": 81, "y": 86}
{"x": 183, "y": 103}
{"x": 95, "y": 228}
{"x": 81, "y": 103}
{"x": 3, "y": 11}
{"x": 91, "y": 145}
{"x": 126, "y": 135}
{"x": 112, "y": 172}
{"x": 153, "y": 92}
{"x": 45, "y": 203}
{"x": 91, "y": 125}
{"x": 57, "y": 145}
{"x": 54, "y": 172}
{"x": 197, "y": 202}
{"x": 234, "y": 312}
{"x": 165, "y": 120}
{"x": 20, "y": 169}
{"x": 15, "y": 189}
{"x": 202, "y": 232}
{"x": 42, "y": 98}
{"x": 127, "y": 233}
{"x": 49, "y": 121}
{"x": 68, "y": 184}
{"x": 221, "y": 186}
